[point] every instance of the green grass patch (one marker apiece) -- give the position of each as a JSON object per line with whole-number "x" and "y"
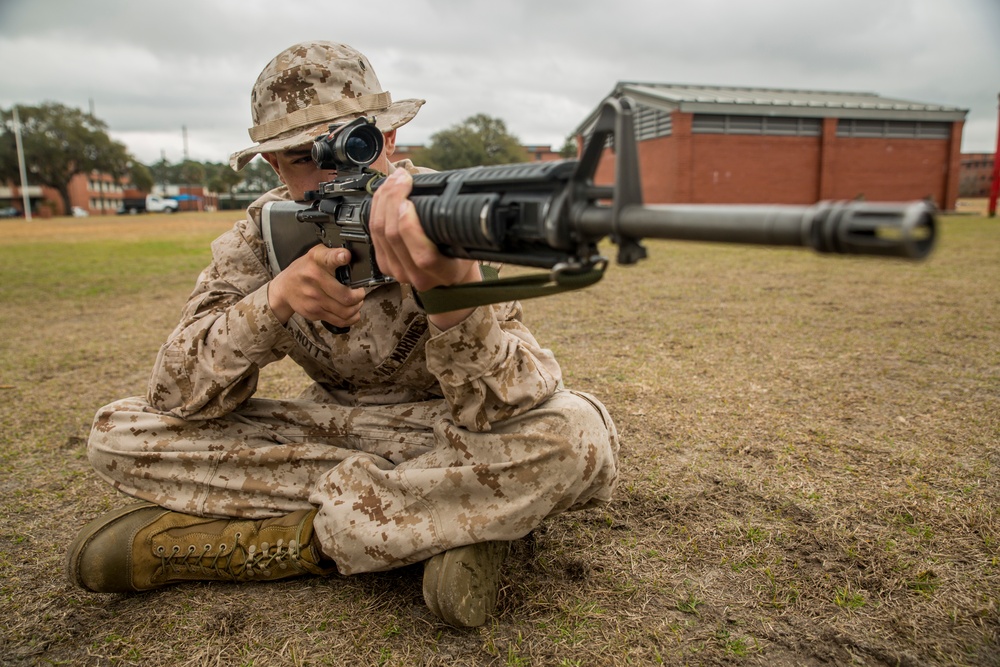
{"x": 53, "y": 272}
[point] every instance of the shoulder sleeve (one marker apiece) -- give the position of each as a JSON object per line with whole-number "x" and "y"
{"x": 227, "y": 332}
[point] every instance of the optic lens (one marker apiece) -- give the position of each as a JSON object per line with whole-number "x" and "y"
{"x": 361, "y": 149}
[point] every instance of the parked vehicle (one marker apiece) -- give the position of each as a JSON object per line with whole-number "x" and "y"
{"x": 9, "y": 212}
{"x": 148, "y": 204}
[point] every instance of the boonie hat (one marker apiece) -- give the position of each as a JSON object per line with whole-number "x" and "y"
{"x": 310, "y": 85}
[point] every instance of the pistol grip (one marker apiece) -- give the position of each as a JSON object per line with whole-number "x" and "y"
{"x": 343, "y": 275}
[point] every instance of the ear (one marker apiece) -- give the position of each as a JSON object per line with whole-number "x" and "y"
{"x": 272, "y": 159}
{"x": 390, "y": 142}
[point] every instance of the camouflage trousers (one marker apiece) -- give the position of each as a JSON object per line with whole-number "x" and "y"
{"x": 394, "y": 484}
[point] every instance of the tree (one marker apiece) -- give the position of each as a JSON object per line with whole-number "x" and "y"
{"x": 191, "y": 172}
{"x": 163, "y": 172}
{"x": 258, "y": 176}
{"x": 221, "y": 178}
{"x": 141, "y": 177}
{"x": 59, "y": 142}
{"x": 570, "y": 149}
{"x": 479, "y": 140}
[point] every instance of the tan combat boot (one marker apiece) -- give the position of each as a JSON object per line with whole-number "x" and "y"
{"x": 143, "y": 546}
{"x": 461, "y": 585}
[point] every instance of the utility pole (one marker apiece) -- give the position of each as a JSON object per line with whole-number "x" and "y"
{"x": 184, "y": 131}
{"x": 25, "y": 199}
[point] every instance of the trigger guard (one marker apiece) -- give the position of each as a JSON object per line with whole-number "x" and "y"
{"x": 343, "y": 274}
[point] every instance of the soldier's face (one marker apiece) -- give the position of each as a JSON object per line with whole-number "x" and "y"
{"x": 296, "y": 169}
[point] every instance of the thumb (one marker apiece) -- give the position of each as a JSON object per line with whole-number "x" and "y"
{"x": 331, "y": 258}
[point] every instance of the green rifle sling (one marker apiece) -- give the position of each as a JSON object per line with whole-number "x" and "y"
{"x": 494, "y": 289}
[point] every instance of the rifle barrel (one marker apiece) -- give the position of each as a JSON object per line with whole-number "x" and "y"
{"x": 905, "y": 230}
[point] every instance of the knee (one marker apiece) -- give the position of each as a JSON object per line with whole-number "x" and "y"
{"x": 113, "y": 429}
{"x": 585, "y": 444}
{"x": 587, "y": 425}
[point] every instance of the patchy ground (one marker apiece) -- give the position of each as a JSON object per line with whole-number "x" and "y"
{"x": 810, "y": 467}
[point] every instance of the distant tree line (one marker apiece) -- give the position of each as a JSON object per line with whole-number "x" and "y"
{"x": 60, "y": 142}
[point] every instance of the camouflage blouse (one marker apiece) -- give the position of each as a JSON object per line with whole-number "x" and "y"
{"x": 488, "y": 368}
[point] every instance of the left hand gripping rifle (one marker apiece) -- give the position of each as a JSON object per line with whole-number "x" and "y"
{"x": 552, "y": 215}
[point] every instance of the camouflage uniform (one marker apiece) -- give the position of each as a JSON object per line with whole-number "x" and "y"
{"x": 411, "y": 440}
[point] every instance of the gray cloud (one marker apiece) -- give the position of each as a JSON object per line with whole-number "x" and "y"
{"x": 150, "y": 69}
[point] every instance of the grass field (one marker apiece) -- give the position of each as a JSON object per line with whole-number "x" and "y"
{"x": 810, "y": 467}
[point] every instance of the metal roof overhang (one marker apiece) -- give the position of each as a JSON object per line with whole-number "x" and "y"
{"x": 853, "y": 105}
{"x": 861, "y": 111}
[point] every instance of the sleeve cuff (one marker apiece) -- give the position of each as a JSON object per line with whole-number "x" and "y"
{"x": 468, "y": 350}
{"x": 256, "y": 331}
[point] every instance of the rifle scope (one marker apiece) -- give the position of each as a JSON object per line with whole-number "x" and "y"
{"x": 356, "y": 144}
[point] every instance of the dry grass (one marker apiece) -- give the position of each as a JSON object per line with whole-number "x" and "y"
{"x": 810, "y": 467}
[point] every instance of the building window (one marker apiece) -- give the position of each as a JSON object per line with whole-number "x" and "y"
{"x": 892, "y": 129}
{"x": 704, "y": 123}
{"x": 648, "y": 123}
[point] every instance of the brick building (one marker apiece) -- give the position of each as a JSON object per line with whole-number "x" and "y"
{"x": 98, "y": 193}
{"x": 975, "y": 174}
{"x": 710, "y": 144}
{"x": 95, "y": 193}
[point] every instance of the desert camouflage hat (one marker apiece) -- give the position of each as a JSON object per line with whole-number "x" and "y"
{"x": 310, "y": 85}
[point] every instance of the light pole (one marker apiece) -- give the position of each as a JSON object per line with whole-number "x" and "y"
{"x": 20, "y": 164}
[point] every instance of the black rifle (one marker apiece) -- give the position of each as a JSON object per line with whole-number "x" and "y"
{"x": 552, "y": 215}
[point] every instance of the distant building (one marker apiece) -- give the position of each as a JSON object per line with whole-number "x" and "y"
{"x": 190, "y": 197}
{"x": 539, "y": 153}
{"x": 975, "y": 174}
{"x": 97, "y": 193}
{"x": 10, "y": 195}
{"x": 711, "y": 144}
{"x": 406, "y": 152}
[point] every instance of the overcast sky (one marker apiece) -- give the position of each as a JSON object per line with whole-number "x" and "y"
{"x": 148, "y": 68}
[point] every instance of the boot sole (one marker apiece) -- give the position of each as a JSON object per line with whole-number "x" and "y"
{"x": 460, "y": 586}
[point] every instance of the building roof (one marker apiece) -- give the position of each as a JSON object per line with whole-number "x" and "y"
{"x": 779, "y": 102}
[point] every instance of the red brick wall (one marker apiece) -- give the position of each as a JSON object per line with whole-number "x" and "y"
{"x": 890, "y": 169}
{"x": 723, "y": 169}
{"x": 952, "y": 170}
{"x": 660, "y": 170}
{"x": 81, "y": 194}
{"x": 405, "y": 152}
{"x": 657, "y": 170}
{"x": 755, "y": 169}
{"x": 747, "y": 169}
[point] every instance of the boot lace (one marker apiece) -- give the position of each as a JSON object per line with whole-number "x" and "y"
{"x": 237, "y": 564}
